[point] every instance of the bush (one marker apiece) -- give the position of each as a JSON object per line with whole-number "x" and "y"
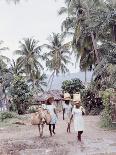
{"x": 106, "y": 120}
{"x": 20, "y": 94}
{"x": 92, "y": 104}
{"x": 6, "y": 115}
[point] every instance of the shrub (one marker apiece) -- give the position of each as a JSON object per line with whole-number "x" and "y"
{"x": 92, "y": 104}
{"x": 20, "y": 94}
{"x": 6, "y": 115}
{"x": 106, "y": 120}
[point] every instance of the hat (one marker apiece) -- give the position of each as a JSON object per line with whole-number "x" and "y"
{"x": 76, "y": 97}
{"x": 67, "y": 96}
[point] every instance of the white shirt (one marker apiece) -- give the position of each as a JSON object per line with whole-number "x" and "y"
{"x": 68, "y": 108}
{"x": 50, "y": 109}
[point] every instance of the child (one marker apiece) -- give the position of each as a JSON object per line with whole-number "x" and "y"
{"x": 77, "y": 114}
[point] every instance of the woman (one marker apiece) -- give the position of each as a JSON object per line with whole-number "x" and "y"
{"x": 77, "y": 113}
{"x": 67, "y": 107}
{"x": 52, "y": 110}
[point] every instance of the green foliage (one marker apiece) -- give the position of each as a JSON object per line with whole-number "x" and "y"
{"x": 90, "y": 21}
{"x": 106, "y": 120}
{"x": 6, "y": 115}
{"x": 20, "y": 94}
{"x": 72, "y": 86}
{"x": 57, "y": 56}
{"x": 92, "y": 104}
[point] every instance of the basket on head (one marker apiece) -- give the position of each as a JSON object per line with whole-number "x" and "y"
{"x": 76, "y": 97}
{"x": 67, "y": 96}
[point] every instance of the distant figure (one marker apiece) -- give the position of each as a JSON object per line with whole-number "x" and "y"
{"x": 77, "y": 114}
{"x": 67, "y": 109}
{"x": 43, "y": 105}
{"x": 52, "y": 110}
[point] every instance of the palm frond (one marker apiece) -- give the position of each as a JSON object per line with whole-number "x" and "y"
{"x": 63, "y": 10}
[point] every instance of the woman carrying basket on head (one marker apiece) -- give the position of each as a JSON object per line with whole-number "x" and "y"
{"x": 77, "y": 114}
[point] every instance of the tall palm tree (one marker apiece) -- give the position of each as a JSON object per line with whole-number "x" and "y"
{"x": 15, "y": 68}
{"x": 14, "y": 1}
{"x": 57, "y": 56}
{"x": 3, "y": 59}
{"x": 87, "y": 19}
{"x": 83, "y": 23}
{"x": 84, "y": 20}
{"x": 40, "y": 83}
{"x": 30, "y": 58}
{"x": 3, "y": 67}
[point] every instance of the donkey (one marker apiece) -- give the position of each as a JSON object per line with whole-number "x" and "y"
{"x": 41, "y": 118}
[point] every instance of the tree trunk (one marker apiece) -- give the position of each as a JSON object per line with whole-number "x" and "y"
{"x": 114, "y": 33}
{"x": 85, "y": 76}
{"x": 95, "y": 46}
{"x": 51, "y": 82}
{"x": 93, "y": 38}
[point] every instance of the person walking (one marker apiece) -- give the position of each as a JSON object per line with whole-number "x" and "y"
{"x": 67, "y": 109}
{"x": 43, "y": 105}
{"x": 77, "y": 114}
{"x": 52, "y": 110}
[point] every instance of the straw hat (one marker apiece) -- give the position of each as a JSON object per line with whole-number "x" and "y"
{"x": 67, "y": 96}
{"x": 76, "y": 97}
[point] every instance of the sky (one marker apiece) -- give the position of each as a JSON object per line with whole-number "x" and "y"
{"x": 29, "y": 18}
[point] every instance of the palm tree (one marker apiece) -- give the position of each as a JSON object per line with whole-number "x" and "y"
{"x": 57, "y": 56}
{"x": 30, "y": 58}
{"x": 14, "y": 1}
{"x": 3, "y": 59}
{"x": 15, "y": 68}
{"x": 40, "y": 82}
{"x": 84, "y": 22}
{"x": 87, "y": 20}
{"x": 3, "y": 67}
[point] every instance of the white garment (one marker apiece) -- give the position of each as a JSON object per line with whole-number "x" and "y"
{"x": 51, "y": 109}
{"x": 78, "y": 119}
{"x": 81, "y": 107}
{"x": 68, "y": 111}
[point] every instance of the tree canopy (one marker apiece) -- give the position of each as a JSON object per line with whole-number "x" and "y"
{"x": 72, "y": 86}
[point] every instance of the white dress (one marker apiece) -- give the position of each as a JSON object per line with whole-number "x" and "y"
{"x": 78, "y": 119}
{"x": 50, "y": 109}
{"x": 68, "y": 112}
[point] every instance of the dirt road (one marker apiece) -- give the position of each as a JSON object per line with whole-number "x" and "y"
{"x": 24, "y": 140}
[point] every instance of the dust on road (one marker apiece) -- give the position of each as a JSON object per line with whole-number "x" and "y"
{"x": 24, "y": 140}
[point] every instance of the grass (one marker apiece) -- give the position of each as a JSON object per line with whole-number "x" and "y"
{"x": 10, "y": 121}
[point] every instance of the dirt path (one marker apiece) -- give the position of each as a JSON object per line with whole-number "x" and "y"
{"x": 24, "y": 140}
